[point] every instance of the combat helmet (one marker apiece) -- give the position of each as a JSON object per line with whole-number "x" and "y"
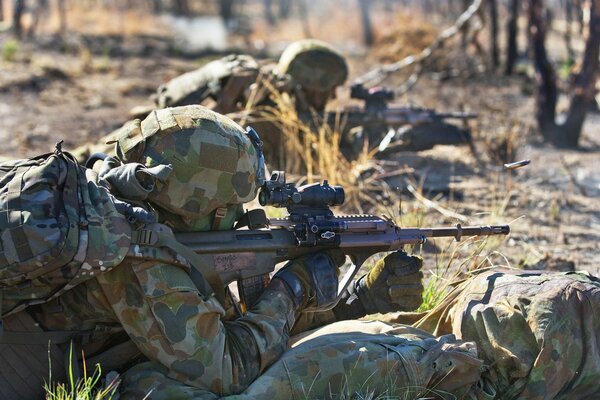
{"x": 314, "y": 65}
{"x": 216, "y": 165}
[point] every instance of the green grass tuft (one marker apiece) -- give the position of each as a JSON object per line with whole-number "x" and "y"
{"x": 9, "y": 50}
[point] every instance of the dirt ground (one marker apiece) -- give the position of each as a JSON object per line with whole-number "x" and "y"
{"x": 553, "y": 205}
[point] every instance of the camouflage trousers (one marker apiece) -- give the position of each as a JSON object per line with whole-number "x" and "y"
{"x": 346, "y": 359}
{"x": 538, "y": 332}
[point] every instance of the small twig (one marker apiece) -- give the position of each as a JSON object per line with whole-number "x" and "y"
{"x": 430, "y": 204}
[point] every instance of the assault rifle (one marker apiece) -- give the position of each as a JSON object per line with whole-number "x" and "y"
{"x": 250, "y": 252}
{"x": 398, "y": 127}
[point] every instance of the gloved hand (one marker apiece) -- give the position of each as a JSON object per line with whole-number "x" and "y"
{"x": 393, "y": 284}
{"x": 312, "y": 280}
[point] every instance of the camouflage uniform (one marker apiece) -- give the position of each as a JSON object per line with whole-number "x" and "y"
{"x": 186, "y": 346}
{"x": 309, "y": 71}
{"x": 537, "y": 332}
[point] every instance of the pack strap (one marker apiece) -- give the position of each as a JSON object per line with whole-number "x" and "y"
{"x": 55, "y": 337}
{"x": 220, "y": 213}
{"x": 205, "y": 278}
{"x": 34, "y": 334}
{"x": 117, "y": 356}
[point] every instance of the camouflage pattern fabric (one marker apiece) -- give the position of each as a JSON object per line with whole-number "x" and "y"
{"x": 214, "y": 162}
{"x": 237, "y": 83}
{"x": 314, "y": 65}
{"x": 223, "y": 80}
{"x": 351, "y": 359}
{"x": 538, "y": 332}
{"x": 60, "y": 228}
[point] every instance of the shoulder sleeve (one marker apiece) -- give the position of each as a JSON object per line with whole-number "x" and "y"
{"x": 163, "y": 312}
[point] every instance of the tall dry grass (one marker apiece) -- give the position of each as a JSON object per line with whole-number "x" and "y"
{"x": 310, "y": 151}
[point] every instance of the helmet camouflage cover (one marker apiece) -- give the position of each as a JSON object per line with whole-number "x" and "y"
{"x": 215, "y": 163}
{"x": 314, "y": 65}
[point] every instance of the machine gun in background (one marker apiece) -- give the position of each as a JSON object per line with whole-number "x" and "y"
{"x": 248, "y": 254}
{"x": 394, "y": 128}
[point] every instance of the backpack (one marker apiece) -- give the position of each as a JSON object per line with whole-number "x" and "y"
{"x": 58, "y": 228}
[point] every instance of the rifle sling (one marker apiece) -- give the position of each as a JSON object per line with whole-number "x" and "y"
{"x": 205, "y": 278}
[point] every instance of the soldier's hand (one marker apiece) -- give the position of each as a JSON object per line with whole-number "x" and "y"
{"x": 312, "y": 280}
{"x": 393, "y": 284}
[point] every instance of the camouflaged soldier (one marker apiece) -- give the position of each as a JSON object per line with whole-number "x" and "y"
{"x": 154, "y": 312}
{"x": 537, "y": 332}
{"x": 308, "y": 70}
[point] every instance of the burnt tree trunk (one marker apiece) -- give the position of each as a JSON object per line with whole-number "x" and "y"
{"x": 511, "y": 36}
{"x": 464, "y": 39}
{"x": 582, "y": 93}
{"x": 62, "y": 15}
{"x": 268, "y": 10}
{"x": 493, "y": 4}
{"x": 156, "y": 6}
{"x": 18, "y": 8}
{"x": 365, "y": 15}
{"x": 226, "y": 10}
{"x": 580, "y": 15}
{"x": 285, "y": 6}
{"x": 569, "y": 22}
{"x": 584, "y": 88}
{"x": 181, "y": 7}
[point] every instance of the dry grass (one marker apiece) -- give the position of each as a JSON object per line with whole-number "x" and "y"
{"x": 310, "y": 152}
{"x": 409, "y": 35}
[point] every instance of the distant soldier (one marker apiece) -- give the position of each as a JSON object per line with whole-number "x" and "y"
{"x": 308, "y": 70}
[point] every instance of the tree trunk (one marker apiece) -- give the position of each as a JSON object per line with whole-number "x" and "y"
{"x": 285, "y": 6}
{"x": 493, "y": 4}
{"x": 62, "y": 15}
{"x": 181, "y": 7}
{"x": 547, "y": 92}
{"x": 366, "y": 22}
{"x": 156, "y": 6}
{"x": 1, "y": 11}
{"x": 18, "y": 7}
{"x": 580, "y": 16}
{"x": 464, "y": 40}
{"x": 583, "y": 90}
{"x": 268, "y": 10}
{"x": 226, "y": 10}
{"x": 511, "y": 36}
{"x": 568, "y": 33}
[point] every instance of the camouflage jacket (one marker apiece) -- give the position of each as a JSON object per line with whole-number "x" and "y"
{"x": 160, "y": 309}
{"x": 232, "y": 82}
{"x": 538, "y": 332}
{"x": 158, "y": 306}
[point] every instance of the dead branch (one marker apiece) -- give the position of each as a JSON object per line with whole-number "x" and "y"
{"x": 377, "y": 75}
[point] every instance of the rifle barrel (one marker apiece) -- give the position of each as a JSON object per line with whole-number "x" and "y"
{"x": 459, "y": 231}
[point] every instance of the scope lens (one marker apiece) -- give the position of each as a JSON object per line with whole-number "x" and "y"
{"x": 263, "y": 198}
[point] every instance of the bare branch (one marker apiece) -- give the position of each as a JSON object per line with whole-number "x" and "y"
{"x": 377, "y": 75}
